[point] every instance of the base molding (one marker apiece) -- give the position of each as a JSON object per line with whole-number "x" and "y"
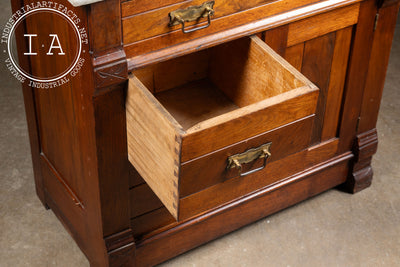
{"x": 170, "y": 242}
{"x": 121, "y": 248}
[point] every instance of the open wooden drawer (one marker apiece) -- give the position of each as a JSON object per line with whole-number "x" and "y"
{"x": 236, "y": 97}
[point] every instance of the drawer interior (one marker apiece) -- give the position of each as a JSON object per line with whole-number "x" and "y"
{"x": 182, "y": 109}
{"x": 216, "y": 81}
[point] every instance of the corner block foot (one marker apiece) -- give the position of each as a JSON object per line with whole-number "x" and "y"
{"x": 361, "y": 173}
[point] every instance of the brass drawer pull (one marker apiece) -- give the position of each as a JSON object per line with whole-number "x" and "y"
{"x": 250, "y": 155}
{"x": 192, "y": 13}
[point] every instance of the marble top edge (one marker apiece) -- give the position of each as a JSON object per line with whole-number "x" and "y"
{"x": 83, "y": 2}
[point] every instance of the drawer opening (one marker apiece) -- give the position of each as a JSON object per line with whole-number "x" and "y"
{"x": 180, "y": 110}
{"x": 218, "y": 80}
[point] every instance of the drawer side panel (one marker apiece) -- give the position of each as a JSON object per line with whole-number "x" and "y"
{"x": 153, "y": 144}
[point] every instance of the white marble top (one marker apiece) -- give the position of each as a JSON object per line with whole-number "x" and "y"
{"x": 83, "y": 2}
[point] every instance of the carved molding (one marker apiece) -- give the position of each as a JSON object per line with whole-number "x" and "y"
{"x": 366, "y": 145}
{"x": 76, "y": 3}
{"x": 114, "y": 73}
{"x": 110, "y": 69}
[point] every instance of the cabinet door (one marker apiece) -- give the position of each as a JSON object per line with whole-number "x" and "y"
{"x": 319, "y": 47}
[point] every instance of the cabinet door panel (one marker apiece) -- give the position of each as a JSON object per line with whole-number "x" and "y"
{"x": 319, "y": 47}
{"x": 317, "y": 62}
{"x": 336, "y": 83}
{"x": 294, "y": 55}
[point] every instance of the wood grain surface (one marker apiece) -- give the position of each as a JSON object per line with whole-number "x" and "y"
{"x": 153, "y": 143}
{"x": 307, "y": 29}
{"x": 278, "y": 83}
{"x": 80, "y": 132}
{"x": 155, "y": 22}
{"x": 317, "y": 64}
{"x": 135, "y": 46}
{"x": 336, "y": 83}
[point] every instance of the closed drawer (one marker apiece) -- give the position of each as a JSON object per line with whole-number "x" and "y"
{"x": 146, "y": 24}
{"x": 227, "y": 98}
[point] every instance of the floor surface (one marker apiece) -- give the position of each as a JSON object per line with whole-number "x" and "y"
{"x": 332, "y": 229}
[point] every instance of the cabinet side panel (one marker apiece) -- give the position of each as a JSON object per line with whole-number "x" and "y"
{"x": 64, "y": 138}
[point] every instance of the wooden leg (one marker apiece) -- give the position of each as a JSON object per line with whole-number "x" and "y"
{"x": 360, "y": 176}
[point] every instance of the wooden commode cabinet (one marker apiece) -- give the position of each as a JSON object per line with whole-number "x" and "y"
{"x": 190, "y": 119}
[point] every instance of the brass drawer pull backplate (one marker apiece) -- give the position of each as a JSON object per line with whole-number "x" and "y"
{"x": 250, "y": 155}
{"x": 192, "y": 13}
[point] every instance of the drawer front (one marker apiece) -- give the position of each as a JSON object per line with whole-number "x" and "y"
{"x": 275, "y": 172}
{"x": 149, "y": 31}
{"x": 156, "y": 22}
{"x": 241, "y": 95}
{"x": 212, "y": 168}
